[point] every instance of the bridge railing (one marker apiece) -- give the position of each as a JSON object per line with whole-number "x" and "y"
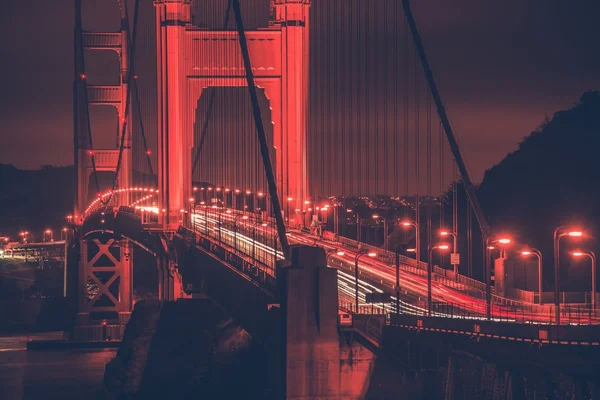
{"x": 257, "y": 242}
{"x": 570, "y": 314}
{"x": 244, "y": 245}
{"x": 442, "y": 275}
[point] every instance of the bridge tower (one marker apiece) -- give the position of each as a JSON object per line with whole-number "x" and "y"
{"x": 88, "y": 159}
{"x": 186, "y": 65}
{"x": 104, "y": 269}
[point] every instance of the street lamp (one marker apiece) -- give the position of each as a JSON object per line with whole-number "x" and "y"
{"x": 330, "y": 253}
{"x": 592, "y": 257}
{"x": 538, "y": 254}
{"x": 430, "y": 250}
{"x": 406, "y": 224}
{"x": 358, "y": 227}
{"x": 254, "y": 238}
{"x": 48, "y": 234}
{"x": 488, "y": 271}
{"x": 192, "y": 209}
{"x": 559, "y": 233}
{"x": 359, "y": 254}
{"x": 385, "y": 230}
{"x": 399, "y": 248}
{"x": 235, "y": 230}
{"x": 63, "y": 234}
{"x": 454, "y": 247}
{"x": 289, "y": 200}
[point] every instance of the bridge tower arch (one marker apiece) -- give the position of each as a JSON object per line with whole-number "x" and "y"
{"x": 186, "y": 65}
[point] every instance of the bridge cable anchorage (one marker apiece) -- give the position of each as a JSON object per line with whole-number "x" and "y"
{"x": 264, "y": 148}
{"x": 211, "y": 101}
{"x": 469, "y": 187}
{"x": 132, "y": 42}
{"x": 80, "y": 76}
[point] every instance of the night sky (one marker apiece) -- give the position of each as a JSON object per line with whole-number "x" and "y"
{"x": 502, "y": 66}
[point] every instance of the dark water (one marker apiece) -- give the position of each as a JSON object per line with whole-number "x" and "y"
{"x": 64, "y": 374}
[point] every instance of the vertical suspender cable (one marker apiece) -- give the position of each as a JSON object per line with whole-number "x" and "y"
{"x": 82, "y": 78}
{"x": 261, "y": 133}
{"x": 352, "y": 127}
{"x": 325, "y": 102}
{"x": 406, "y": 69}
{"x": 360, "y": 95}
{"x": 417, "y": 147}
{"x": 347, "y": 111}
{"x": 367, "y": 97}
{"x": 211, "y": 102}
{"x": 128, "y": 96}
{"x": 441, "y": 172}
{"x": 395, "y": 106}
{"x": 385, "y": 111}
{"x": 429, "y": 165}
{"x": 469, "y": 187}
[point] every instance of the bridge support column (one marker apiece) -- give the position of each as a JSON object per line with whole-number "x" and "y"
{"x": 293, "y": 17}
{"x": 174, "y": 134}
{"x": 310, "y": 307}
{"x": 170, "y": 282}
{"x": 105, "y": 298}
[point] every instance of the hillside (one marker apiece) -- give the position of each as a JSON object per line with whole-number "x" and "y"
{"x": 552, "y": 179}
{"x": 35, "y": 200}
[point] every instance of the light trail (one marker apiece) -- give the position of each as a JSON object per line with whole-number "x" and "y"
{"x": 375, "y": 275}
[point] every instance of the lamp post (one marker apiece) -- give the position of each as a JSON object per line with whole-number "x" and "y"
{"x": 220, "y": 211}
{"x": 399, "y": 248}
{"x": 254, "y": 238}
{"x": 359, "y": 254}
{"x": 289, "y": 200}
{"x": 330, "y": 253}
{"x": 406, "y": 224}
{"x": 454, "y": 247}
{"x": 538, "y": 254}
{"x": 336, "y": 221}
{"x": 430, "y": 250}
{"x": 358, "y": 227}
{"x": 192, "y": 209}
{"x": 488, "y": 272}
{"x": 235, "y": 230}
{"x": 48, "y": 235}
{"x": 63, "y": 234}
{"x": 592, "y": 257}
{"x": 559, "y": 233}
{"x": 385, "y": 229}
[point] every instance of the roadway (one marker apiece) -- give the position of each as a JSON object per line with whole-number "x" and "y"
{"x": 255, "y": 239}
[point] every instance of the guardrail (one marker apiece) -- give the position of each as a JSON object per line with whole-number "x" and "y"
{"x": 503, "y": 309}
{"x": 570, "y": 314}
{"x": 536, "y": 333}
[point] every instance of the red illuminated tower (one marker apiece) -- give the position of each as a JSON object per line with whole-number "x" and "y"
{"x": 187, "y": 65}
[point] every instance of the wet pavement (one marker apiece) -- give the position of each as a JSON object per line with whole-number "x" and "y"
{"x": 49, "y": 374}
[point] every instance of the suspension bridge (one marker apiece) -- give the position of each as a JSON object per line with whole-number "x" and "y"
{"x": 264, "y": 135}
